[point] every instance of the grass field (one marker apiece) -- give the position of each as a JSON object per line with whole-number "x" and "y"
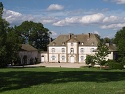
{"x": 61, "y": 81}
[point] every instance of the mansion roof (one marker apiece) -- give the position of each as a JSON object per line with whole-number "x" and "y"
{"x": 83, "y": 40}
{"x": 27, "y": 47}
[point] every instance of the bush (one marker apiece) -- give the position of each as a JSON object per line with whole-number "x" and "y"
{"x": 115, "y": 65}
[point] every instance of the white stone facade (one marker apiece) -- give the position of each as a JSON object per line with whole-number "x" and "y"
{"x": 69, "y": 49}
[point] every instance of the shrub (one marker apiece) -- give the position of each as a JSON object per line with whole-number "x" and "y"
{"x": 115, "y": 65}
{"x": 90, "y": 60}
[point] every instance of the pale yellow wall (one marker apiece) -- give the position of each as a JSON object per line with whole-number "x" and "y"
{"x": 45, "y": 58}
{"x": 74, "y": 47}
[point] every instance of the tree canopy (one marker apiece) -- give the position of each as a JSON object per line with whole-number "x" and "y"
{"x": 8, "y": 41}
{"x": 34, "y": 33}
{"x": 120, "y": 40}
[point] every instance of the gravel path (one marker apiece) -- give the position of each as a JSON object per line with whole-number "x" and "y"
{"x": 65, "y": 65}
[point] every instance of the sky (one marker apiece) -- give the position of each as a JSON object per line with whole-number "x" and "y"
{"x": 103, "y": 17}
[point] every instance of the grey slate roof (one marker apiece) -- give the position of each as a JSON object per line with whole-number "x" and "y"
{"x": 112, "y": 47}
{"x": 27, "y": 47}
{"x": 85, "y": 39}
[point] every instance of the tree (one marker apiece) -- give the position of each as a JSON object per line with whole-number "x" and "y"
{"x": 120, "y": 43}
{"x": 2, "y": 37}
{"x": 8, "y": 41}
{"x": 1, "y": 9}
{"x": 102, "y": 52}
{"x": 12, "y": 45}
{"x": 90, "y": 60}
{"x": 34, "y": 33}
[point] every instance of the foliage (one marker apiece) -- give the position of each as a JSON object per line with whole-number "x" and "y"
{"x": 34, "y": 33}
{"x": 102, "y": 52}
{"x": 1, "y": 9}
{"x": 12, "y": 45}
{"x": 90, "y": 60}
{"x": 61, "y": 81}
{"x": 115, "y": 65}
{"x": 120, "y": 43}
{"x": 8, "y": 42}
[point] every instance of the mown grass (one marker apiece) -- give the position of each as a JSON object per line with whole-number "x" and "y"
{"x": 61, "y": 81}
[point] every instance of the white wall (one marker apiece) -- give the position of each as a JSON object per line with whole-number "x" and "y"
{"x": 58, "y": 54}
{"x": 31, "y": 54}
{"x": 109, "y": 56}
{"x": 74, "y": 46}
{"x": 44, "y": 57}
{"x": 57, "y": 49}
{"x": 87, "y": 49}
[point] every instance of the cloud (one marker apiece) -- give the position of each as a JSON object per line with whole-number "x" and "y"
{"x": 117, "y": 1}
{"x": 113, "y": 26}
{"x": 54, "y": 34}
{"x": 67, "y": 21}
{"x": 90, "y": 19}
{"x": 87, "y": 19}
{"x": 96, "y": 32}
{"x": 55, "y": 7}
{"x": 15, "y": 18}
{"x": 11, "y": 16}
{"x": 46, "y": 20}
{"x": 111, "y": 19}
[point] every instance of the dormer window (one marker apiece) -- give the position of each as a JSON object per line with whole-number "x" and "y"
{"x": 54, "y": 43}
{"x": 63, "y": 43}
{"x": 93, "y": 43}
{"x": 71, "y": 44}
{"x": 82, "y": 43}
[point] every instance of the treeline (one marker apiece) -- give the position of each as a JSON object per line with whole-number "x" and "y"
{"x": 29, "y": 32}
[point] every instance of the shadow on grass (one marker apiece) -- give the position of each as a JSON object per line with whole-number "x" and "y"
{"x": 13, "y": 80}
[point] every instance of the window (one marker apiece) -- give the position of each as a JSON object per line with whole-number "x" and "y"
{"x": 93, "y": 43}
{"x": 54, "y": 43}
{"x": 82, "y": 58}
{"x": 72, "y": 50}
{"x": 63, "y": 57}
{"x": 63, "y": 43}
{"x": 71, "y": 44}
{"x": 63, "y": 49}
{"x": 82, "y": 43}
{"x": 82, "y": 50}
{"x": 53, "y": 58}
{"x": 92, "y": 50}
{"x": 53, "y": 49}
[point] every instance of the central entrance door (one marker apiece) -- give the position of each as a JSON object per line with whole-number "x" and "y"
{"x": 42, "y": 59}
{"x": 72, "y": 59}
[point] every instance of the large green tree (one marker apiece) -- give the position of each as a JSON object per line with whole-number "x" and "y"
{"x": 2, "y": 37}
{"x": 120, "y": 43}
{"x": 34, "y": 33}
{"x": 12, "y": 46}
{"x": 120, "y": 40}
{"x": 8, "y": 42}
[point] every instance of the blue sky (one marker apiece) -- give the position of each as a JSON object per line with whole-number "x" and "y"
{"x": 104, "y": 17}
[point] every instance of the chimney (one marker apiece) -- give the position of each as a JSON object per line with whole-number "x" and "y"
{"x": 89, "y": 35}
{"x": 70, "y": 35}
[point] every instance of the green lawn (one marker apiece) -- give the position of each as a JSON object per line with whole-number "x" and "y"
{"x": 61, "y": 81}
